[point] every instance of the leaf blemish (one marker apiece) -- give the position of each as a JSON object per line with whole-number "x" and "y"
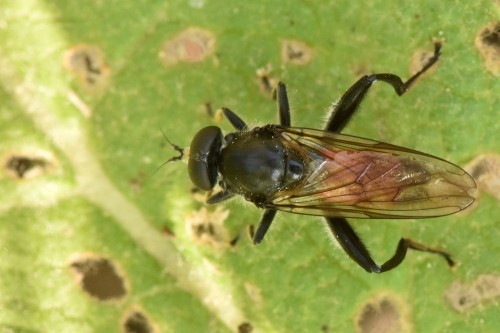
{"x": 245, "y": 327}
{"x": 136, "y": 321}
{"x": 207, "y": 227}
{"x": 28, "y": 166}
{"x": 419, "y": 59}
{"x": 167, "y": 231}
{"x": 88, "y": 64}
{"x": 295, "y": 52}
{"x": 485, "y": 169}
{"x": 382, "y": 313}
{"x": 191, "y": 45}
{"x": 266, "y": 81}
{"x": 488, "y": 44}
{"x": 465, "y": 297}
{"x": 137, "y": 182}
{"x": 98, "y": 277}
{"x": 255, "y": 293}
{"x": 208, "y": 108}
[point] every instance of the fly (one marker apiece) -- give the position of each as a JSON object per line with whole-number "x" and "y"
{"x": 325, "y": 173}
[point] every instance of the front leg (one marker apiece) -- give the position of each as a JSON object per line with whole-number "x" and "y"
{"x": 283, "y": 105}
{"x": 233, "y": 118}
{"x": 220, "y": 196}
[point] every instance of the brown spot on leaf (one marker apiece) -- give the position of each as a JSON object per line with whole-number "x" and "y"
{"x": 488, "y": 43}
{"x": 465, "y": 297}
{"x": 255, "y": 293}
{"x": 208, "y": 108}
{"x": 98, "y": 277}
{"x": 485, "y": 169}
{"x": 245, "y": 328}
{"x": 295, "y": 52}
{"x": 88, "y": 64}
{"x": 137, "y": 182}
{"x": 266, "y": 81}
{"x": 28, "y": 165}
{"x": 360, "y": 70}
{"x": 135, "y": 321}
{"x": 191, "y": 45}
{"x": 420, "y": 58}
{"x": 382, "y": 314}
{"x": 167, "y": 231}
{"x": 207, "y": 227}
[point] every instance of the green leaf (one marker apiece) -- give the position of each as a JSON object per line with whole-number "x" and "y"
{"x": 92, "y": 239}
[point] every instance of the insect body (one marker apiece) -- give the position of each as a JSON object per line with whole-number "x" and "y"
{"x": 325, "y": 173}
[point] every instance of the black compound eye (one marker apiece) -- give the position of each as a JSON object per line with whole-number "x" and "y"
{"x": 203, "y": 157}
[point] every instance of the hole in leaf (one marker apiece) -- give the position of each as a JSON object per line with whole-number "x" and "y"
{"x": 137, "y": 322}
{"x": 209, "y": 109}
{"x": 207, "y": 227}
{"x": 99, "y": 277}
{"x": 245, "y": 328}
{"x": 325, "y": 328}
{"x": 266, "y": 81}
{"x": 485, "y": 169}
{"x": 382, "y": 314}
{"x": 419, "y": 59}
{"x": 25, "y": 166}
{"x": 491, "y": 36}
{"x": 295, "y": 52}
{"x": 465, "y": 297}
{"x": 488, "y": 44}
{"x": 88, "y": 64}
{"x": 191, "y": 45}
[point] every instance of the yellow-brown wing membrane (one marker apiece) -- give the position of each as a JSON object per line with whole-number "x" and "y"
{"x": 348, "y": 176}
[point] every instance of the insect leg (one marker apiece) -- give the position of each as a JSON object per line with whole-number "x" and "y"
{"x": 236, "y": 121}
{"x": 283, "y": 106}
{"x": 349, "y": 102}
{"x": 351, "y": 243}
{"x": 264, "y": 225}
{"x": 284, "y": 113}
{"x": 354, "y": 247}
{"x": 219, "y": 197}
{"x": 404, "y": 245}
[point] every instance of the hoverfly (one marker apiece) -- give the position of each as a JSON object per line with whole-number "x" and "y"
{"x": 325, "y": 173}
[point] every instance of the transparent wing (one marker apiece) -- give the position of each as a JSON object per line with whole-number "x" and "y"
{"x": 354, "y": 177}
